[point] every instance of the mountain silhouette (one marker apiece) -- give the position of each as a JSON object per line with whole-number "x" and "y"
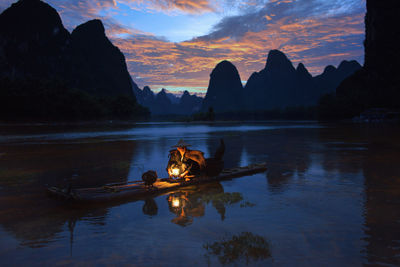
{"x": 162, "y": 103}
{"x": 173, "y": 98}
{"x": 36, "y": 44}
{"x": 306, "y": 90}
{"x": 32, "y": 40}
{"x": 45, "y": 69}
{"x": 274, "y": 86}
{"x": 280, "y": 85}
{"x": 190, "y": 104}
{"x": 225, "y": 90}
{"x": 37, "y": 54}
{"x": 330, "y": 79}
{"x": 99, "y": 65}
{"x": 165, "y": 103}
{"x": 144, "y": 97}
{"x": 377, "y": 84}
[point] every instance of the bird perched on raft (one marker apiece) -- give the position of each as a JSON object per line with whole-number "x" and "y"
{"x": 149, "y": 178}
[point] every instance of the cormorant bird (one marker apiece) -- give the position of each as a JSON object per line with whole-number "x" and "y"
{"x": 219, "y": 153}
{"x": 149, "y": 178}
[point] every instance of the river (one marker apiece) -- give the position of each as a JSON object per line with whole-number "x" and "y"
{"x": 330, "y": 196}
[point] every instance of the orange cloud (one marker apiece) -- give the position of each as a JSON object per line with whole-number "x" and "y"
{"x": 315, "y": 42}
{"x": 187, "y": 6}
{"x": 298, "y": 28}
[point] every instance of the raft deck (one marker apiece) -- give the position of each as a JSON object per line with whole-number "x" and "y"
{"x": 139, "y": 190}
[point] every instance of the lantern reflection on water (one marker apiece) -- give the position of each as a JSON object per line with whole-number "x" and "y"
{"x": 175, "y": 202}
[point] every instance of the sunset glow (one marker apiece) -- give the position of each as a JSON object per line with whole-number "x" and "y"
{"x": 175, "y": 44}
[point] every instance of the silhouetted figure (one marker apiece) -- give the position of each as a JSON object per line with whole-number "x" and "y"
{"x": 188, "y": 162}
{"x": 192, "y": 162}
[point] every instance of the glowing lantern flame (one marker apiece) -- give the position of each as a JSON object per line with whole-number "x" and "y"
{"x": 175, "y": 172}
{"x": 176, "y": 202}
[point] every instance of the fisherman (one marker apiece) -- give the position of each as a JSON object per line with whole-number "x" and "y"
{"x": 187, "y": 162}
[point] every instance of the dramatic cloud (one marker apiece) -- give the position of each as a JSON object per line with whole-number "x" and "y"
{"x": 194, "y": 6}
{"x": 190, "y": 6}
{"x": 315, "y": 32}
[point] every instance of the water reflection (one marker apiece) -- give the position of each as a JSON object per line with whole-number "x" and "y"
{"x": 191, "y": 202}
{"x": 83, "y": 164}
{"x": 375, "y": 152}
{"x": 330, "y": 192}
{"x": 234, "y": 145}
{"x": 150, "y": 207}
{"x": 287, "y": 153}
{"x": 344, "y": 149}
{"x": 27, "y": 213}
{"x": 381, "y": 168}
{"x": 245, "y": 247}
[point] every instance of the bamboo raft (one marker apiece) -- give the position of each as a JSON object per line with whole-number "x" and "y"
{"x": 137, "y": 189}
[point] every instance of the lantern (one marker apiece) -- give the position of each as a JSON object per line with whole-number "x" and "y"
{"x": 176, "y": 170}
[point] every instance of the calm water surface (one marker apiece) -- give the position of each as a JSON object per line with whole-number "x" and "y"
{"x": 330, "y": 197}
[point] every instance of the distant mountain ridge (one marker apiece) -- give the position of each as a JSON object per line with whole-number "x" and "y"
{"x": 164, "y": 103}
{"x": 35, "y": 46}
{"x": 278, "y": 85}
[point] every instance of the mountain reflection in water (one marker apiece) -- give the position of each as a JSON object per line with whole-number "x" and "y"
{"x": 330, "y": 196}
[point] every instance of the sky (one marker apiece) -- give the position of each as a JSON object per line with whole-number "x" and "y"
{"x": 175, "y": 44}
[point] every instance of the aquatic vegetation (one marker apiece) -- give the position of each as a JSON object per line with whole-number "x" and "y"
{"x": 245, "y": 246}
